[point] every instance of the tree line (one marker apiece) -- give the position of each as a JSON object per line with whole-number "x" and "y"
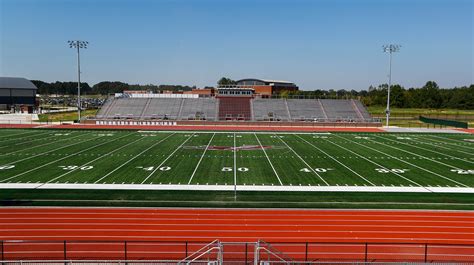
{"x": 428, "y": 96}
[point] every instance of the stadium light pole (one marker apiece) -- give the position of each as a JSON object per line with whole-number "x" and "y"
{"x": 390, "y": 48}
{"x": 78, "y": 45}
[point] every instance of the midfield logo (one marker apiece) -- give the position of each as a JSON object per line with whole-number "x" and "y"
{"x": 232, "y": 148}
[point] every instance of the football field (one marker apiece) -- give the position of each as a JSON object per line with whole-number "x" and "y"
{"x": 115, "y": 159}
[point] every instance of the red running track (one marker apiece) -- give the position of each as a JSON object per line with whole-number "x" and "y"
{"x": 245, "y": 225}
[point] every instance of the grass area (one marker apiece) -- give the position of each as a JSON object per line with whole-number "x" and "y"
{"x": 261, "y": 160}
{"x": 65, "y": 116}
{"x": 134, "y": 198}
{"x": 380, "y": 110}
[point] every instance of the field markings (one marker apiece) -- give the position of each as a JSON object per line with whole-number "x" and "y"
{"x": 93, "y": 160}
{"x": 416, "y": 154}
{"x": 271, "y": 164}
{"x": 133, "y": 158}
{"x": 23, "y": 142}
{"x": 406, "y": 162}
{"x": 377, "y": 164}
{"x": 166, "y": 159}
{"x": 330, "y": 156}
{"x": 454, "y": 140}
{"x": 57, "y": 160}
{"x": 40, "y": 154}
{"x": 17, "y": 135}
{"x": 199, "y": 162}
{"x": 311, "y": 168}
{"x": 452, "y": 145}
{"x": 454, "y": 157}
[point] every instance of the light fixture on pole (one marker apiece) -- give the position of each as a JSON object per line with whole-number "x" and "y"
{"x": 390, "y": 48}
{"x": 78, "y": 44}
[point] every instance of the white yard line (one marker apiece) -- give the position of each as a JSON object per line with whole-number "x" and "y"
{"x": 265, "y": 152}
{"x": 422, "y": 148}
{"x": 92, "y": 161}
{"x": 133, "y": 158}
{"x": 179, "y": 148}
{"x": 52, "y": 162}
{"x": 339, "y": 162}
{"x": 415, "y": 154}
{"x": 375, "y": 163}
{"x": 309, "y": 167}
{"x": 413, "y": 165}
{"x": 40, "y": 154}
{"x": 450, "y": 147}
{"x": 199, "y": 162}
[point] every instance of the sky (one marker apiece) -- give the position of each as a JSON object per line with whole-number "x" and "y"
{"x": 318, "y": 44}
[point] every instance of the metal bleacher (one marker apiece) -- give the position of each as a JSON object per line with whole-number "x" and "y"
{"x": 199, "y": 109}
{"x": 306, "y": 109}
{"x": 257, "y": 109}
{"x": 270, "y": 109}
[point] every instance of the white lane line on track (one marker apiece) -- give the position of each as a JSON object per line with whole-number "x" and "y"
{"x": 234, "y": 224}
{"x": 133, "y": 158}
{"x": 330, "y": 156}
{"x": 309, "y": 167}
{"x": 52, "y": 162}
{"x": 377, "y": 164}
{"x": 166, "y": 159}
{"x": 200, "y": 159}
{"x": 422, "y": 148}
{"x": 265, "y": 152}
{"x": 92, "y": 161}
{"x": 413, "y": 165}
{"x": 305, "y": 238}
{"x": 239, "y": 231}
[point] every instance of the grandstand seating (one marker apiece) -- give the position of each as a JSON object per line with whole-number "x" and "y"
{"x": 199, "y": 109}
{"x": 234, "y": 108}
{"x": 270, "y": 109}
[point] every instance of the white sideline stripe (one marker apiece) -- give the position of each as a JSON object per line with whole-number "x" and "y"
{"x": 450, "y": 144}
{"x": 304, "y": 161}
{"x": 450, "y": 139}
{"x": 406, "y": 162}
{"x": 422, "y": 148}
{"x": 179, "y": 147}
{"x": 93, "y": 160}
{"x": 330, "y": 156}
{"x": 54, "y": 161}
{"x": 265, "y": 152}
{"x": 199, "y": 162}
{"x": 133, "y": 158}
{"x": 416, "y": 154}
{"x": 377, "y": 164}
{"x": 30, "y": 157}
{"x": 239, "y": 187}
